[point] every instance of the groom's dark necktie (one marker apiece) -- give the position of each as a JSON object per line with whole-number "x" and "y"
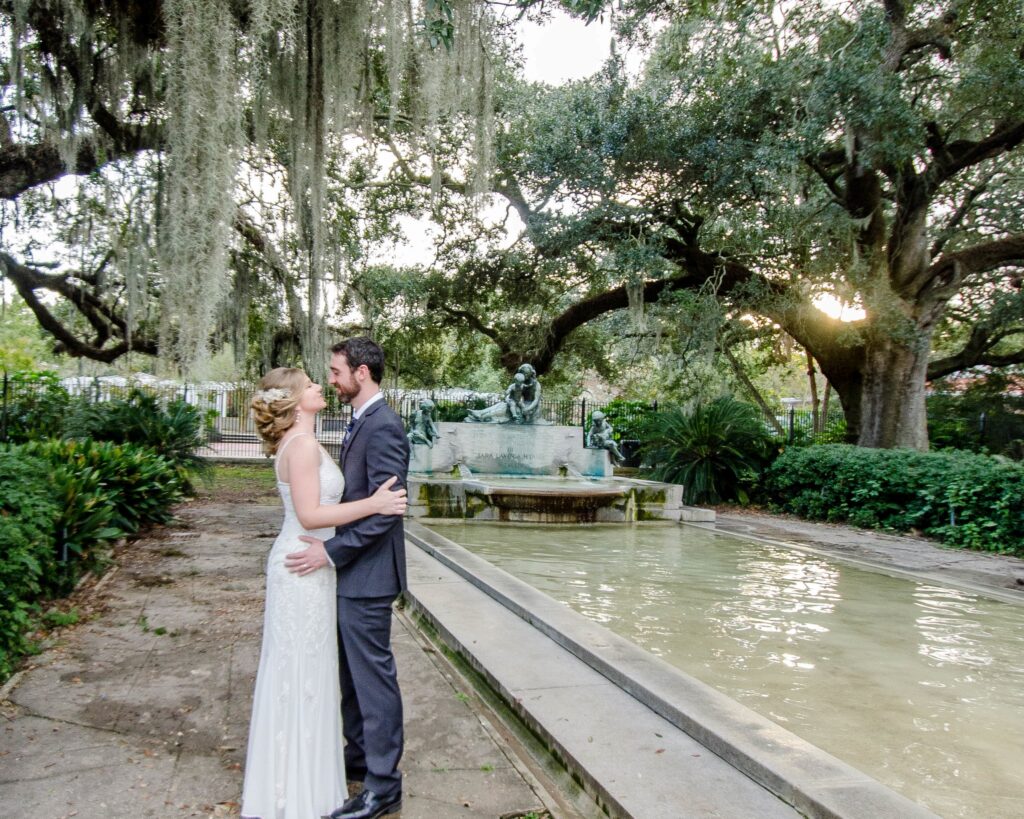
{"x": 348, "y": 430}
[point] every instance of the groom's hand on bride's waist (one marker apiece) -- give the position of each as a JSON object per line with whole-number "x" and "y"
{"x": 308, "y": 560}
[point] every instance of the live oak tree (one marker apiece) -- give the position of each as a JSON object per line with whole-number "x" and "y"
{"x": 773, "y": 152}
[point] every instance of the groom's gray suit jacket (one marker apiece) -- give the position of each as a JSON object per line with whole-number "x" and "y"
{"x": 369, "y": 554}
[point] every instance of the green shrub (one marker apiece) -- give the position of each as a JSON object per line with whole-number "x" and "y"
{"x": 28, "y": 509}
{"x": 961, "y": 498}
{"x": 136, "y": 484}
{"x": 61, "y": 504}
{"x": 983, "y": 418}
{"x": 35, "y": 407}
{"x": 175, "y": 429}
{"x": 626, "y": 417}
{"x": 716, "y": 451}
{"x": 450, "y": 411}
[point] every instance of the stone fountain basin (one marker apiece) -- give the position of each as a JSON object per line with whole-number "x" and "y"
{"x": 548, "y": 499}
{"x": 528, "y": 487}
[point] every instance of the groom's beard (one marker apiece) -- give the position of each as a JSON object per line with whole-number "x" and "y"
{"x": 346, "y": 394}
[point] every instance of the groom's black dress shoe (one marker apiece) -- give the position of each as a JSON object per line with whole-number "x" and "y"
{"x": 369, "y": 805}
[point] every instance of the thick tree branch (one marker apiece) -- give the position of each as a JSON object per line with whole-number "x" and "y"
{"x": 257, "y": 240}
{"x": 948, "y": 159}
{"x": 895, "y": 12}
{"x": 751, "y": 389}
{"x": 448, "y": 182}
{"x": 947, "y": 273}
{"x": 107, "y": 324}
{"x": 904, "y": 42}
{"x": 831, "y": 180}
{"x": 698, "y": 268}
{"x": 23, "y": 167}
{"x": 472, "y": 321}
{"x": 977, "y": 351}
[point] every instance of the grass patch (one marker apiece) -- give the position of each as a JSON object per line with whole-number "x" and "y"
{"x": 55, "y": 618}
{"x": 241, "y": 483}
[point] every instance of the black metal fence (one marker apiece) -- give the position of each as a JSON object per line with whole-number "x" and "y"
{"x": 803, "y": 425}
{"x": 230, "y": 430}
{"x": 231, "y": 433}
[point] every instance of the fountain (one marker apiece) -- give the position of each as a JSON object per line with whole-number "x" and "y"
{"x": 508, "y": 464}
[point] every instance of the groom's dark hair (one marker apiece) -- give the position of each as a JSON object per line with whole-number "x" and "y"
{"x": 362, "y": 350}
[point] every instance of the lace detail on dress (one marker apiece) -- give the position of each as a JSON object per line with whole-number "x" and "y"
{"x": 294, "y": 766}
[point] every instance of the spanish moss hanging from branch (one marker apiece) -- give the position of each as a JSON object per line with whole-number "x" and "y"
{"x": 190, "y": 87}
{"x": 203, "y": 138}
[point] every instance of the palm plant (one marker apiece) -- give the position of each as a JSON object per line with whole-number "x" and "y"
{"x": 715, "y": 451}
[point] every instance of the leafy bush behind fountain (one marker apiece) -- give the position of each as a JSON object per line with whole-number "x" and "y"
{"x": 717, "y": 450}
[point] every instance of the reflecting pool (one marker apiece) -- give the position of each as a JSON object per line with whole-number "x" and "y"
{"x": 917, "y": 684}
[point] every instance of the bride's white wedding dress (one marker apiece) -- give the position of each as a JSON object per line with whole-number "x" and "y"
{"x": 294, "y": 767}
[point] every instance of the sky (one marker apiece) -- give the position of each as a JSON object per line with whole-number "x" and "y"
{"x": 563, "y": 49}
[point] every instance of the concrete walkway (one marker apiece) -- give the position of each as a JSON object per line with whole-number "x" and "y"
{"x": 143, "y": 711}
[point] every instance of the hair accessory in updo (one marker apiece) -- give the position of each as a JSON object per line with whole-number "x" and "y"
{"x": 275, "y": 404}
{"x": 273, "y": 394}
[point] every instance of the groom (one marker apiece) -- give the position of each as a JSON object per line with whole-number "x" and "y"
{"x": 369, "y": 556}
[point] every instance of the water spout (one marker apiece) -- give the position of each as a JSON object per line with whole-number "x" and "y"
{"x": 567, "y": 471}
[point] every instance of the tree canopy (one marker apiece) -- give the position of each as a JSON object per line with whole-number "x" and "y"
{"x": 769, "y": 154}
{"x": 229, "y": 122}
{"x": 772, "y": 153}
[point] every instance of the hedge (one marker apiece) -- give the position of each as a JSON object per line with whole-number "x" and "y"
{"x": 28, "y": 507}
{"x": 961, "y": 498}
{"x": 61, "y": 505}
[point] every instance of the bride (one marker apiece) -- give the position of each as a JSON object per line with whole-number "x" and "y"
{"x": 294, "y": 766}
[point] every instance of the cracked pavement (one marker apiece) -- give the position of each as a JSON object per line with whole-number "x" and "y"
{"x": 142, "y": 710}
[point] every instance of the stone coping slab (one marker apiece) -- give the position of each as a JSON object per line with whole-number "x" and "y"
{"x": 814, "y": 782}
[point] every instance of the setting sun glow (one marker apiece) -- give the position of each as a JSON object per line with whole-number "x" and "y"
{"x": 833, "y": 307}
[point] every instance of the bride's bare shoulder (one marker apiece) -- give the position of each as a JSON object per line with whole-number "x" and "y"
{"x": 298, "y": 449}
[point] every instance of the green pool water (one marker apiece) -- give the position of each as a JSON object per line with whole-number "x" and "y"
{"x": 917, "y": 684}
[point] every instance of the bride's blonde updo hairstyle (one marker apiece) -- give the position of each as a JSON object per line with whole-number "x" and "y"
{"x": 274, "y": 404}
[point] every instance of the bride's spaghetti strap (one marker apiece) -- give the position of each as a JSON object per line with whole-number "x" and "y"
{"x": 280, "y": 452}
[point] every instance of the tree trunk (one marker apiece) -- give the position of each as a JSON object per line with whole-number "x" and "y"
{"x": 824, "y": 405}
{"x": 892, "y": 399}
{"x": 815, "y": 406}
{"x": 754, "y": 393}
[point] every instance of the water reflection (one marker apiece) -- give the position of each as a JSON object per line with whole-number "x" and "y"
{"x": 920, "y": 685}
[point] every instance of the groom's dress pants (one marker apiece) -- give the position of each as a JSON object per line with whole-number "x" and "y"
{"x": 371, "y": 704}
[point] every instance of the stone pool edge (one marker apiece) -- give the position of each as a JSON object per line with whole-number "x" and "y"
{"x": 813, "y": 781}
{"x": 941, "y": 566}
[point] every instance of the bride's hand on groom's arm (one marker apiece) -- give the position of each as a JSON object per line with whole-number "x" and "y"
{"x": 308, "y": 560}
{"x": 390, "y": 502}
